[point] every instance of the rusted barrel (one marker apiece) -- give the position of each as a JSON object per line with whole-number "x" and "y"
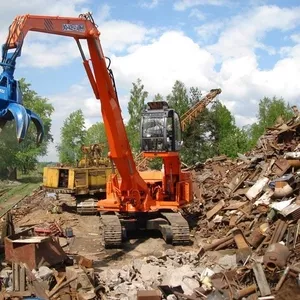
{"x": 276, "y": 256}
{"x": 257, "y": 235}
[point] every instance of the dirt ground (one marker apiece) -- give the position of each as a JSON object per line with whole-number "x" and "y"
{"x": 88, "y": 241}
{"x": 289, "y": 291}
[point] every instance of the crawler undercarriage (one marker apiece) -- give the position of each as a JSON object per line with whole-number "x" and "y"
{"x": 172, "y": 226}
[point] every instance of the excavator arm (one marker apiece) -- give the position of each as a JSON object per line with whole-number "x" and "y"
{"x": 149, "y": 200}
{"x": 103, "y": 85}
{"x": 198, "y": 107}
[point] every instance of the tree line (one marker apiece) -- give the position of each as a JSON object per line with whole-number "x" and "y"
{"x": 213, "y": 132}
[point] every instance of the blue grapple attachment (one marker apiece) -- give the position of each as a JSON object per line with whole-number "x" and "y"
{"x": 11, "y": 100}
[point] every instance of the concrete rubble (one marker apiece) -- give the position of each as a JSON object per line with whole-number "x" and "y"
{"x": 245, "y": 227}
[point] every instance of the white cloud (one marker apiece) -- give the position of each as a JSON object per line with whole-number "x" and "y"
{"x": 103, "y": 13}
{"x": 197, "y": 14}
{"x": 244, "y": 33}
{"x": 209, "y": 30}
{"x": 184, "y": 4}
{"x": 78, "y": 96}
{"x": 149, "y": 4}
{"x": 117, "y": 35}
{"x": 173, "y": 56}
{"x": 295, "y": 38}
{"x": 244, "y": 121}
{"x": 42, "y": 55}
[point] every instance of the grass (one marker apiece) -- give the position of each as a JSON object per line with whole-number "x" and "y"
{"x": 14, "y": 195}
{"x": 19, "y": 190}
{"x": 12, "y": 192}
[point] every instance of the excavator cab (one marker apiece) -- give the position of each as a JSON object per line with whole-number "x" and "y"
{"x": 160, "y": 128}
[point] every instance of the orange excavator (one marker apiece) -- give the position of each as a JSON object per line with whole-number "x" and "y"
{"x": 134, "y": 200}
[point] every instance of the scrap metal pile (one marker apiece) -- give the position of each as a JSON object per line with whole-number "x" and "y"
{"x": 245, "y": 223}
{"x": 251, "y": 205}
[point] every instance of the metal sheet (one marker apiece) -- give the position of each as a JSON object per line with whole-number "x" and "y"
{"x": 47, "y": 253}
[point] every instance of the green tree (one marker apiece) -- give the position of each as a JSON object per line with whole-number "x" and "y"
{"x": 96, "y": 134}
{"x": 73, "y": 135}
{"x": 195, "y": 95}
{"x": 158, "y": 97}
{"x": 269, "y": 111}
{"x": 223, "y": 122}
{"x": 227, "y": 138}
{"x": 197, "y": 140}
{"x": 235, "y": 142}
{"x": 212, "y": 133}
{"x": 179, "y": 98}
{"x": 136, "y": 105}
{"x": 24, "y": 156}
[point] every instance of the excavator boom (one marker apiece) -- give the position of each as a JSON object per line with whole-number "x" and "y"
{"x": 149, "y": 199}
{"x": 100, "y": 77}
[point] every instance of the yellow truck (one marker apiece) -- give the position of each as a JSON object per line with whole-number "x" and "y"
{"x": 86, "y": 182}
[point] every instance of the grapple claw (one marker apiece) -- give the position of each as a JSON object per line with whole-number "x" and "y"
{"x": 22, "y": 117}
{"x": 11, "y": 100}
{"x": 11, "y": 103}
{"x": 38, "y": 124}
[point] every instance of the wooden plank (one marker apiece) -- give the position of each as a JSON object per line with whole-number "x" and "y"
{"x": 22, "y": 279}
{"x": 257, "y": 188}
{"x": 233, "y": 205}
{"x": 34, "y": 239}
{"x": 233, "y": 220}
{"x": 261, "y": 280}
{"x": 61, "y": 285}
{"x": 17, "y": 294}
{"x": 280, "y": 166}
{"x": 16, "y": 277}
{"x": 215, "y": 209}
{"x": 237, "y": 181}
{"x": 38, "y": 289}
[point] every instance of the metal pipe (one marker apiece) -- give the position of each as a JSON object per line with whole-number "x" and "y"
{"x": 282, "y": 279}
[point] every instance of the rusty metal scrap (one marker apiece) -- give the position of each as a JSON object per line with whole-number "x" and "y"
{"x": 276, "y": 256}
{"x": 241, "y": 192}
{"x": 280, "y": 229}
{"x": 217, "y": 243}
{"x": 33, "y": 250}
{"x": 245, "y": 292}
{"x": 282, "y": 279}
{"x": 256, "y": 237}
{"x": 243, "y": 252}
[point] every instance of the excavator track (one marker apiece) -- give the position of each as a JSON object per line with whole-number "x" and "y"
{"x": 179, "y": 227}
{"x": 112, "y": 231}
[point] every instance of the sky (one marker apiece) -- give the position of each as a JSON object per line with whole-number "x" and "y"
{"x": 248, "y": 48}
